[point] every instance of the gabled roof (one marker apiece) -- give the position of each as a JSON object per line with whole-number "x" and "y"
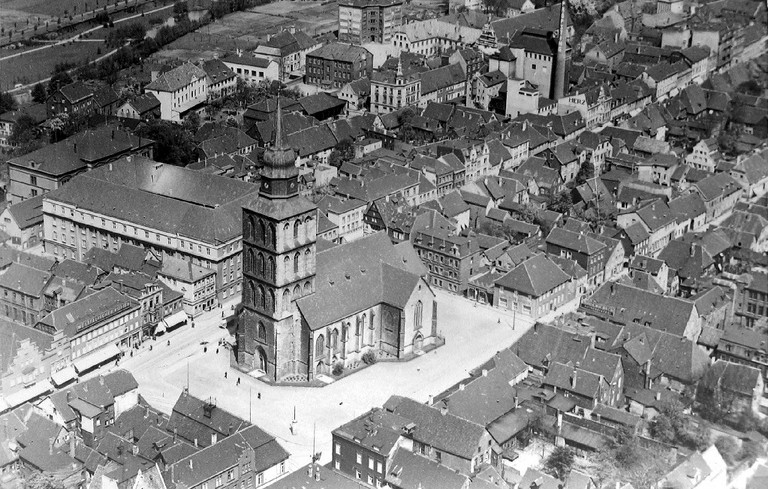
{"x": 574, "y": 241}
{"x": 534, "y": 277}
{"x": 444, "y": 432}
{"x": 76, "y": 91}
{"x": 360, "y": 274}
{"x": 574, "y": 379}
{"x": 443, "y": 77}
{"x": 624, "y": 304}
{"x": 177, "y": 78}
{"x": 27, "y": 213}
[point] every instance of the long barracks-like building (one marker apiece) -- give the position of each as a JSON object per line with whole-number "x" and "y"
{"x": 170, "y": 210}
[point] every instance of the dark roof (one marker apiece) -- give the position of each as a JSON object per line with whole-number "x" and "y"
{"x": 217, "y": 71}
{"x": 196, "y": 420}
{"x": 534, "y": 277}
{"x": 444, "y": 432}
{"x": 624, "y": 304}
{"x": 355, "y": 276}
{"x": 25, "y": 280}
{"x": 177, "y": 78}
{"x": 341, "y": 52}
{"x": 574, "y": 241}
{"x": 76, "y": 91}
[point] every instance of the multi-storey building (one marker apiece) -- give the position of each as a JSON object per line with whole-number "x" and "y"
{"x": 197, "y": 284}
{"x": 93, "y": 329}
{"x": 751, "y": 302}
{"x": 50, "y": 167}
{"x": 22, "y": 293}
{"x": 362, "y": 21}
{"x": 588, "y": 252}
{"x": 173, "y": 212}
{"x": 451, "y": 260}
{"x": 334, "y": 65}
{"x": 179, "y": 91}
{"x": 391, "y": 91}
{"x": 73, "y": 99}
{"x": 252, "y": 69}
{"x": 345, "y": 213}
{"x": 289, "y": 50}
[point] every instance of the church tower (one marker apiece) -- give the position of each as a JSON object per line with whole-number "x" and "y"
{"x": 279, "y": 237}
{"x": 562, "y": 54}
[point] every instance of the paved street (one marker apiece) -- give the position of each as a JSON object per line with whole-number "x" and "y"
{"x": 473, "y": 334}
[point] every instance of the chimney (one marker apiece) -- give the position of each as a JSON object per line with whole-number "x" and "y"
{"x": 693, "y": 250}
{"x": 573, "y": 379}
{"x": 196, "y": 445}
{"x": 317, "y": 473}
{"x": 214, "y": 438}
{"x": 461, "y": 386}
{"x": 444, "y": 407}
{"x": 146, "y": 411}
{"x": 517, "y": 401}
{"x": 658, "y": 396}
{"x": 485, "y": 372}
{"x": 613, "y": 289}
{"x": 113, "y": 134}
{"x": 72, "y": 445}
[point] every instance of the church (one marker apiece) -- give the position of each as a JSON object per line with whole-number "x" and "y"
{"x": 305, "y": 310}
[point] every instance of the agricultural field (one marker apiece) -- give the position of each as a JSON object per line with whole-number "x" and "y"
{"x": 245, "y": 30}
{"x": 40, "y": 64}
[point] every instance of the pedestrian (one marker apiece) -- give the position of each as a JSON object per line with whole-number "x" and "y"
{"x": 168, "y": 343}
{"x": 205, "y": 349}
{"x": 238, "y": 381}
{"x": 225, "y": 375}
{"x": 217, "y": 351}
{"x": 258, "y": 395}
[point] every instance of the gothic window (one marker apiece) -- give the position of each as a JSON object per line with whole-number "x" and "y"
{"x": 307, "y": 255}
{"x": 261, "y": 264}
{"x": 307, "y": 288}
{"x": 262, "y": 332}
{"x": 296, "y": 258}
{"x": 286, "y": 231}
{"x": 286, "y": 300}
{"x": 272, "y": 241}
{"x": 251, "y": 299}
{"x": 270, "y": 268}
{"x": 270, "y": 300}
{"x": 296, "y": 229}
{"x": 296, "y": 292}
{"x": 359, "y": 324}
{"x": 320, "y": 346}
{"x": 262, "y": 231}
{"x": 417, "y": 311}
{"x": 287, "y": 264}
{"x": 335, "y": 340}
{"x": 249, "y": 260}
{"x": 262, "y": 298}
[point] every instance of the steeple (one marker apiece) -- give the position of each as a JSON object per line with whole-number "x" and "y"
{"x": 562, "y": 48}
{"x": 279, "y": 176}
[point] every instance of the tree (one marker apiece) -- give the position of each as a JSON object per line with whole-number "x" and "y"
{"x": 560, "y": 202}
{"x": 559, "y": 462}
{"x": 343, "y": 151}
{"x": 24, "y": 131}
{"x": 586, "y": 171}
{"x": 7, "y": 102}
{"x": 58, "y": 80}
{"x": 38, "y": 93}
{"x": 750, "y": 87}
{"x": 728, "y": 448}
{"x": 173, "y": 144}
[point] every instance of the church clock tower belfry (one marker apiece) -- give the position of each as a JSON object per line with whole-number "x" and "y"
{"x": 279, "y": 237}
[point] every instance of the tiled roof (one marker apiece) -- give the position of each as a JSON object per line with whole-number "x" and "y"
{"x": 547, "y": 19}
{"x": 626, "y": 305}
{"x": 76, "y": 91}
{"x": 72, "y": 317}
{"x": 443, "y": 77}
{"x": 217, "y": 71}
{"x": 575, "y": 241}
{"x": 193, "y": 204}
{"x": 341, "y": 52}
{"x": 444, "y": 432}
{"x": 27, "y": 213}
{"x": 24, "y": 279}
{"x": 534, "y": 277}
{"x": 358, "y": 275}
{"x": 177, "y": 78}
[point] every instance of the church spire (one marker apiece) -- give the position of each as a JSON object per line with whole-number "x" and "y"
{"x": 562, "y": 48}
{"x": 279, "y": 176}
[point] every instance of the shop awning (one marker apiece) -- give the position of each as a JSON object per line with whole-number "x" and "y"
{"x": 61, "y": 377}
{"x": 99, "y": 356}
{"x": 34, "y": 391}
{"x": 177, "y": 317}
